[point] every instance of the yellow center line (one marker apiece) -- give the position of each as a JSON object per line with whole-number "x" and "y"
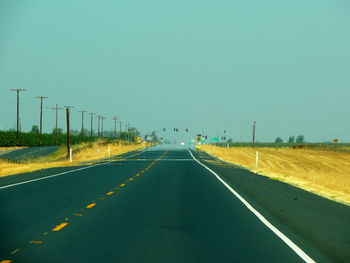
{"x": 131, "y": 179}
{"x": 15, "y": 251}
{"x": 78, "y": 214}
{"x": 36, "y": 242}
{"x": 59, "y": 227}
{"x": 6, "y": 261}
{"x": 110, "y": 193}
{"x": 122, "y": 185}
{"x": 91, "y": 205}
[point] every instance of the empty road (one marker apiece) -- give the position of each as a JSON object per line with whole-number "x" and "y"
{"x": 166, "y": 204}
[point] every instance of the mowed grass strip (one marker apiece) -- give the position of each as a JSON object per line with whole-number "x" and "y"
{"x": 326, "y": 173}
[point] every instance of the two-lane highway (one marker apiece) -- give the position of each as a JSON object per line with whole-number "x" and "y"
{"x": 161, "y": 205}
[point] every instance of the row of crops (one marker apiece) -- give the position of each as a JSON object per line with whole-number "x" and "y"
{"x": 8, "y": 139}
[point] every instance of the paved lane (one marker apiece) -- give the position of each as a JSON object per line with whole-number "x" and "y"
{"x": 159, "y": 206}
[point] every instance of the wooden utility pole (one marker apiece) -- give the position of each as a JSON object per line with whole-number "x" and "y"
{"x": 115, "y": 126}
{"x": 120, "y": 128}
{"x": 68, "y": 129}
{"x": 82, "y": 122}
{"x": 254, "y": 128}
{"x": 41, "y": 118}
{"x": 98, "y": 126}
{"x": 92, "y": 114}
{"x": 56, "y": 108}
{"x": 17, "y": 133}
{"x": 102, "y": 118}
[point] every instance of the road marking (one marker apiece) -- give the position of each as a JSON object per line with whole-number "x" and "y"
{"x": 6, "y": 261}
{"x": 284, "y": 238}
{"x": 131, "y": 179}
{"x": 110, "y": 193}
{"x": 122, "y": 185}
{"x": 59, "y": 227}
{"x": 15, "y": 251}
{"x": 67, "y": 172}
{"x": 91, "y": 205}
{"x": 78, "y": 214}
{"x": 36, "y": 242}
{"x": 100, "y": 198}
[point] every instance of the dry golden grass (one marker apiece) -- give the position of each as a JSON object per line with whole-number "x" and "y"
{"x": 326, "y": 173}
{"x": 95, "y": 152}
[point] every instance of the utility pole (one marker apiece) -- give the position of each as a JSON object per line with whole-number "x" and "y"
{"x": 56, "y": 108}
{"x": 120, "y": 129}
{"x": 254, "y": 127}
{"x": 68, "y": 129}
{"x": 225, "y": 136}
{"x": 41, "y": 118}
{"x": 82, "y": 123}
{"x": 115, "y": 126}
{"x": 102, "y": 118}
{"x": 17, "y": 133}
{"x": 92, "y": 114}
{"x": 98, "y": 126}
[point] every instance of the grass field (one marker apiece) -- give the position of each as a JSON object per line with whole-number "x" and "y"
{"x": 82, "y": 152}
{"x": 323, "y": 172}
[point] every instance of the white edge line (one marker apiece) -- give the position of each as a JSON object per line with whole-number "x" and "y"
{"x": 54, "y": 175}
{"x": 284, "y": 238}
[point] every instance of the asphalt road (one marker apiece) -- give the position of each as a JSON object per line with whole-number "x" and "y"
{"x": 28, "y": 153}
{"x": 162, "y": 205}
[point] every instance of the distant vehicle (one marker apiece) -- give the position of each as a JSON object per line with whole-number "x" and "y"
{"x": 182, "y": 143}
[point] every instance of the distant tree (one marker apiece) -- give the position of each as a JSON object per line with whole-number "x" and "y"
{"x": 230, "y": 140}
{"x": 59, "y": 131}
{"x": 291, "y": 139}
{"x": 35, "y": 129}
{"x": 300, "y": 139}
{"x": 278, "y": 140}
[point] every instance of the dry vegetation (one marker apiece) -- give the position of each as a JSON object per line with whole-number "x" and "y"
{"x": 326, "y": 173}
{"x": 83, "y": 152}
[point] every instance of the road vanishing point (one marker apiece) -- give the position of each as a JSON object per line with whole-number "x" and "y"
{"x": 166, "y": 204}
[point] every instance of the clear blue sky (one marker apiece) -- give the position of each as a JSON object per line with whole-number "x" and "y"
{"x": 197, "y": 64}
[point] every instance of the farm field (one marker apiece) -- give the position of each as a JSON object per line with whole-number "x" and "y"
{"x": 324, "y": 172}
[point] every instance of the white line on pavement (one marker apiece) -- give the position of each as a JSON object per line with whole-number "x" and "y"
{"x": 284, "y": 238}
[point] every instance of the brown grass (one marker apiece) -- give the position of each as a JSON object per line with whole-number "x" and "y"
{"x": 94, "y": 152}
{"x": 326, "y": 173}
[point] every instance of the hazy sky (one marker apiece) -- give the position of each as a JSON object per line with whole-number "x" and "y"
{"x": 187, "y": 64}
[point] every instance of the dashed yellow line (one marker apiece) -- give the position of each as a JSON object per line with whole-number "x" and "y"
{"x": 91, "y": 205}
{"x": 6, "y": 261}
{"x": 122, "y": 185}
{"x": 36, "y": 242}
{"x": 131, "y": 179}
{"x": 78, "y": 214}
{"x": 59, "y": 227}
{"x": 110, "y": 193}
{"x": 15, "y": 251}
